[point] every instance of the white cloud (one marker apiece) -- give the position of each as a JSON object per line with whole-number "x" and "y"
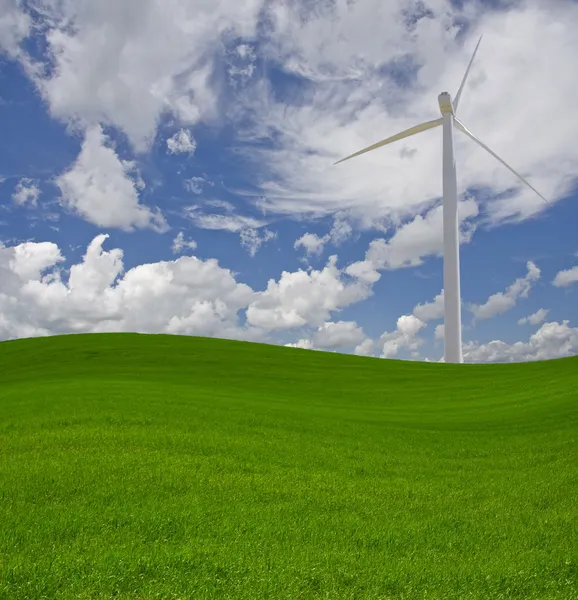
{"x": 180, "y": 243}
{"x": 566, "y": 278}
{"x": 252, "y": 241}
{"x": 336, "y": 336}
{"x": 364, "y": 271}
{"x": 413, "y": 241}
{"x": 311, "y": 242}
{"x": 26, "y": 192}
{"x": 181, "y": 142}
{"x": 29, "y": 260}
{"x": 14, "y": 26}
{"x": 302, "y": 298}
{"x": 502, "y": 302}
{"x": 405, "y": 336}
{"x": 127, "y": 66}
{"x": 536, "y": 318}
{"x": 241, "y": 63}
{"x": 430, "y": 311}
{"x": 246, "y": 227}
{"x": 108, "y": 69}
{"x": 99, "y": 188}
{"x": 185, "y": 296}
{"x": 342, "y": 334}
{"x": 228, "y": 207}
{"x": 366, "y": 348}
{"x": 352, "y": 100}
{"x": 552, "y": 340}
{"x": 229, "y": 222}
{"x": 340, "y": 231}
{"x": 303, "y": 343}
{"x": 421, "y": 237}
{"x": 440, "y": 332}
{"x": 194, "y": 184}
{"x": 314, "y": 244}
{"x": 194, "y": 297}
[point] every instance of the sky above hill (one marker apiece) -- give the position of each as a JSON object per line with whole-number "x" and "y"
{"x": 166, "y": 166}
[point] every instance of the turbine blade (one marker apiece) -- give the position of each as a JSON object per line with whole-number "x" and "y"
{"x": 465, "y": 130}
{"x": 398, "y": 136}
{"x": 459, "y": 94}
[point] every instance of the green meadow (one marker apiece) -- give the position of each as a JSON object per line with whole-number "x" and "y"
{"x": 164, "y": 467}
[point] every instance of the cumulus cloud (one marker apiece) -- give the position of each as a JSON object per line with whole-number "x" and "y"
{"x": 99, "y": 188}
{"x": 185, "y": 296}
{"x": 252, "y": 241}
{"x": 338, "y": 335}
{"x": 364, "y": 271}
{"x": 404, "y": 337}
{"x": 26, "y": 192}
{"x": 311, "y": 242}
{"x": 552, "y": 340}
{"x": 502, "y": 302}
{"x": 181, "y": 142}
{"x": 194, "y": 297}
{"x": 566, "y": 278}
{"x": 305, "y": 297}
{"x": 440, "y": 332}
{"x": 536, "y": 318}
{"x": 29, "y": 260}
{"x": 412, "y": 242}
{"x": 430, "y": 311}
{"x": 114, "y": 66}
{"x": 180, "y": 243}
{"x": 366, "y": 348}
{"x": 303, "y": 343}
{"x": 314, "y": 244}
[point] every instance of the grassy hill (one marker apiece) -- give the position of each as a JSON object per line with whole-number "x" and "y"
{"x": 164, "y": 467}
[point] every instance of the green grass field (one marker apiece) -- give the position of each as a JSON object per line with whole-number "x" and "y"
{"x": 158, "y": 467}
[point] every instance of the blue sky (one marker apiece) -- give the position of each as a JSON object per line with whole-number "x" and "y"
{"x": 201, "y": 141}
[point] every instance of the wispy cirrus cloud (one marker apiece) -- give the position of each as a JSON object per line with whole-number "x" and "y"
{"x": 228, "y": 222}
{"x": 356, "y": 73}
{"x": 349, "y": 90}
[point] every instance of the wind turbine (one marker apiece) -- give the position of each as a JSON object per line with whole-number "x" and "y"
{"x": 451, "y": 233}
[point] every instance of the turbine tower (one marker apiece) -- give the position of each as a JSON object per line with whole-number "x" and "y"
{"x": 451, "y": 228}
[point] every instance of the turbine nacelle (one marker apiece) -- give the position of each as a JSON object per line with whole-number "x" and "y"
{"x": 445, "y": 102}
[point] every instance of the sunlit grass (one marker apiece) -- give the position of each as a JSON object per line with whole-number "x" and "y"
{"x": 162, "y": 467}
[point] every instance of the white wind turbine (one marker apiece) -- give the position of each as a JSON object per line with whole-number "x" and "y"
{"x": 451, "y": 244}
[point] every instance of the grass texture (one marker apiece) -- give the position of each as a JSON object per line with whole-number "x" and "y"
{"x": 164, "y": 467}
